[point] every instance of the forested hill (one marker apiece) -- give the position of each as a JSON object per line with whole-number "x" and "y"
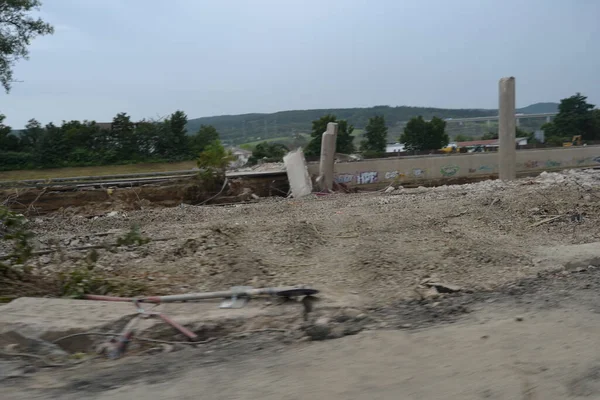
{"x": 244, "y": 128}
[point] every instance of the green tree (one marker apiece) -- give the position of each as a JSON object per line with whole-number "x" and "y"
{"x": 375, "y": 136}
{"x": 31, "y": 135}
{"x": 344, "y": 141}
{"x": 490, "y": 136}
{"x": 179, "y": 140}
{"x": 8, "y": 141}
{"x": 213, "y": 162}
{"x": 206, "y": 135}
{"x": 425, "y": 135}
{"x": 123, "y": 137}
{"x": 575, "y": 117}
{"x": 462, "y": 138}
{"x": 17, "y": 29}
{"x": 52, "y": 147}
{"x": 269, "y": 152}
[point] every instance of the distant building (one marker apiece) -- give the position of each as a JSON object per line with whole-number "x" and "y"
{"x": 394, "y": 148}
{"x": 491, "y": 143}
{"x": 241, "y": 156}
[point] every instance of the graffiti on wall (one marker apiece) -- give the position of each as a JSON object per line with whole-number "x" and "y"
{"x": 596, "y": 159}
{"x": 344, "y": 178}
{"x": 485, "y": 168}
{"x": 449, "y": 170}
{"x": 393, "y": 175}
{"x": 552, "y": 164}
{"x": 418, "y": 172}
{"x": 531, "y": 164}
{"x": 366, "y": 177}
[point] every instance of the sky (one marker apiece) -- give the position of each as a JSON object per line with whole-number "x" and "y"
{"x": 213, "y": 57}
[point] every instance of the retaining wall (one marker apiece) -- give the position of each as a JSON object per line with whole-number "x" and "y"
{"x": 456, "y": 167}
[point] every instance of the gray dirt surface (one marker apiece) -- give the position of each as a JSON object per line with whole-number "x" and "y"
{"x": 532, "y": 339}
{"x": 366, "y": 248}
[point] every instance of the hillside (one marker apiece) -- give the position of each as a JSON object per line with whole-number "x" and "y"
{"x": 237, "y": 129}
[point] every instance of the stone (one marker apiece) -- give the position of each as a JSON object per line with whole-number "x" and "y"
{"x": 390, "y": 189}
{"x": 297, "y": 172}
{"x": 519, "y": 318}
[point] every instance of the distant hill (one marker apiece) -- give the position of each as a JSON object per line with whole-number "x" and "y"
{"x": 539, "y": 108}
{"x": 244, "y": 128}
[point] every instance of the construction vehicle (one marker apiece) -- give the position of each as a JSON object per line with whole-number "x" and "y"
{"x": 576, "y": 141}
{"x": 451, "y": 148}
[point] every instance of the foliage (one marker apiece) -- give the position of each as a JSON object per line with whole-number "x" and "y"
{"x": 86, "y": 143}
{"x": 268, "y": 152}
{"x": 462, "y": 138}
{"x": 344, "y": 141}
{"x": 13, "y": 228}
{"x": 133, "y": 237}
{"x": 425, "y": 135}
{"x": 490, "y": 136}
{"x": 213, "y": 161}
{"x": 575, "y": 117}
{"x": 375, "y": 136}
{"x": 554, "y": 140}
{"x": 205, "y": 136}
{"x": 85, "y": 280}
{"x": 17, "y": 29}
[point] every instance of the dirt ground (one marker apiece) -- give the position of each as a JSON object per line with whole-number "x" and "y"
{"x": 366, "y": 248}
{"x": 521, "y": 261}
{"x": 534, "y": 339}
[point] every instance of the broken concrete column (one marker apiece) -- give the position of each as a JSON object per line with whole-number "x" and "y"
{"x": 328, "y": 157}
{"x": 507, "y": 152}
{"x": 298, "y": 177}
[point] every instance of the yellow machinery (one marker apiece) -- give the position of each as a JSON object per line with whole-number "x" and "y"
{"x": 576, "y": 141}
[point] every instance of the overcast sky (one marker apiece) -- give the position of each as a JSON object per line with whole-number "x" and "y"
{"x": 151, "y": 57}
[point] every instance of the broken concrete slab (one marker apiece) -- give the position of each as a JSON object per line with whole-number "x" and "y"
{"x": 297, "y": 172}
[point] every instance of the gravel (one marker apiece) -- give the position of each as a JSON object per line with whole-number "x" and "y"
{"x": 365, "y": 248}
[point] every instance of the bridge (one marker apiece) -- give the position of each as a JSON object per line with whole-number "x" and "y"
{"x": 518, "y": 117}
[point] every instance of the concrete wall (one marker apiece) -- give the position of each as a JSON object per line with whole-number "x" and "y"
{"x": 459, "y": 166}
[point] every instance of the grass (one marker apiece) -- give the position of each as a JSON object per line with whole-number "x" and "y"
{"x": 95, "y": 171}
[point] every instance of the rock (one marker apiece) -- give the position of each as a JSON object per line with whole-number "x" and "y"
{"x": 519, "y": 318}
{"x": 427, "y": 293}
{"x": 320, "y": 330}
{"x": 442, "y": 287}
{"x": 390, "y": 189}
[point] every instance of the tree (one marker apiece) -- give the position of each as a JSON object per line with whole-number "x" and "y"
{"x": 490, "y": 136}
{"x": 17, "y": 29}
{"x": 179, "y": 140}
{"x": 344, "y": 141}
{"x": 31, "y": 135}
{"x": 8, "y": 141}
{"x": 575, "y": 117}
{"x": 461, "y": 138}
{"x": 122, "y": 134}
{"x": 425, "y": 135}
{"x": 269, "y": 152}
{"x": 52, "y": 147}
{"x": 206, "y": 135}
{"x": 213, "y": 162}
{"x": 375, "y": 136}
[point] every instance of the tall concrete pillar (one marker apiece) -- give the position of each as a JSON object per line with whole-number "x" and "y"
{"x": 507, "y": 129}
{"x": 328, "y": 157}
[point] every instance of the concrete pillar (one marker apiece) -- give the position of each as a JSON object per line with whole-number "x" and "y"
{"x": 328, "y": 157}
{"x": 507, "y": 129}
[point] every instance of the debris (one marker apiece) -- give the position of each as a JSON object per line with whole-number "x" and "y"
{"x": 297, "y": 172}
{"x": 389, "y": 189}
{"x": 545, "y": 221}
{"x": 442, "y": 287}
{"x": 519, "y": 318}
{"x": 320, "y": 330}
